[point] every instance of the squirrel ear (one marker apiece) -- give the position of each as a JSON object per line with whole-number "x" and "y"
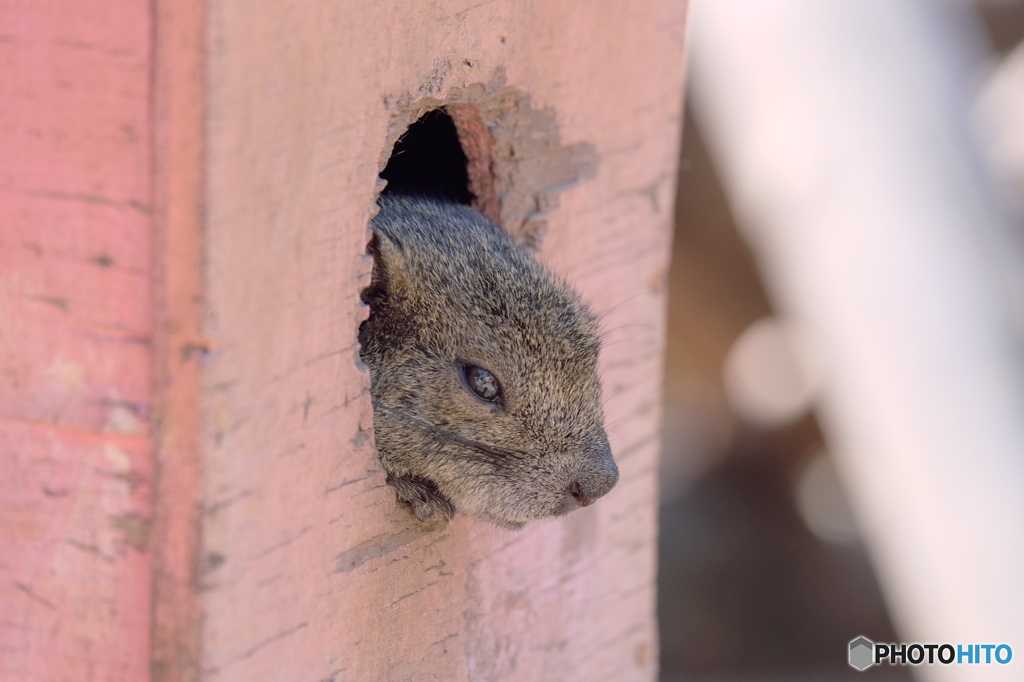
{"x": 390, "y": 270}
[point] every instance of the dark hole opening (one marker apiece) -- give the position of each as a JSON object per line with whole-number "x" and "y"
{"x": 428, "y": 161}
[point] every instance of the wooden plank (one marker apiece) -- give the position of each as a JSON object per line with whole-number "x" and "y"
{"x": 75, "y": 353}
{"x": 179, "y": 96}
{"x": 310, "y": 570}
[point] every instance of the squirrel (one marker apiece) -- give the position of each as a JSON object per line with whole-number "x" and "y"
{"x": 483, "y": 371}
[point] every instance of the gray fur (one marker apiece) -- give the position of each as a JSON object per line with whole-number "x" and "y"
{"x": 449, "y": 287}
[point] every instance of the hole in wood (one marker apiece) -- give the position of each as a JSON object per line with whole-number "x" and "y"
{"x": 428, "y": 161}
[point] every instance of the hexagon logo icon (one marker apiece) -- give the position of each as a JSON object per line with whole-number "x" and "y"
{"x": 862, "y": 653}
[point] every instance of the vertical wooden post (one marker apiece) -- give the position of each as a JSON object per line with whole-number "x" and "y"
{"x": 183, "y": 248}
{"x": 179, "y": 347}
{"x": 76, "y": 324}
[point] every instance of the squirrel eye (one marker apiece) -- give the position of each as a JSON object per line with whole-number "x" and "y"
{"x": 484, "y": 384}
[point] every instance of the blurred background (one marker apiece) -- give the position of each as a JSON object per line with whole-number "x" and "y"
{"x": 844, "y": 425}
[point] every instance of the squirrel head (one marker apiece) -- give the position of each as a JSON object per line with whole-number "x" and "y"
{"x": 483, "y": 371}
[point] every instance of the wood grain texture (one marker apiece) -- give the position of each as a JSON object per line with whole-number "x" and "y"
{"x": 310, "y": 571}
{"x": 75, "y": 351}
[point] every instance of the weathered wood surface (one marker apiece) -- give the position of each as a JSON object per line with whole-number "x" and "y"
{"x": 219, "y": 366}
{"x": 76, "y": 323}
{"x": 179, "y": 99}
{"x": 312, "y": 571}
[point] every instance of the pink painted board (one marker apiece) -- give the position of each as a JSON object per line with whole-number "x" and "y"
{"x": 190, "y": 489}
{"x": 75, "y": 340}
{"x": 310, "y": 568}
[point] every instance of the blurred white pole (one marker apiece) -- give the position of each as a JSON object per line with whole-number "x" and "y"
{"x": 840, "y": 129}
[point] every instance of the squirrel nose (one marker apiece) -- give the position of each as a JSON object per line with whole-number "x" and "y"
{"x": 581, "y": 499}
{"x": 583, "y": 492}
